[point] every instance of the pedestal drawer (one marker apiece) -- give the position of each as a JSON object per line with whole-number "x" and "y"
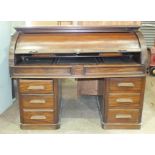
{"x": 123, "y": 116}
{"x": 38, "y": 117}
{"x": 125, "y": 84}
{"x": 35, "y": 86}
{"x": 37, "y": 101}
{"x": 124, "y": 100}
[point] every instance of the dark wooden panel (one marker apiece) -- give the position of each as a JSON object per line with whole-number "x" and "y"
{"x": 35, "y": 86}
{"x": 121, "y": 100}
{"x": 87, "y": 87}
{"x": 37, "y": 101}
{"x": 76, "y": 29}
{"x": 105, "y": 70}
{"x": 12, "y": 48}
{"x": 39, "y": 126}
{"x": 76, "y": 43}
{"x": 125, "y": 84}
{"x": 41, "y": 71}
{"x": 123, "y": 116}
{"x": 38, "y": 117}
{"x": 83, "y": 71}
{"x": 121, "y": 126}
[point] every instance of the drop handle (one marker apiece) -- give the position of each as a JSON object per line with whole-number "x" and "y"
{"x": 121, "y": 116}
{"x": 36, "y": 87}
{"x": 33, "y": 51}
{"x": 37, "y": 101}
{"x": 41, "y": 117}
{"x": 124, "y": 100}
{"x": 126, "y": 84}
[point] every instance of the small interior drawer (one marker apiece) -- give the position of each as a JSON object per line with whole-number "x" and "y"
{"x": 120, "y": 100}
{"x": 35, "y": 86}
{"x": 125, "y": 84}
{"x": 38, "y": 117}
{"x": 37, "y": 101}
{"x": 123, "y": 116}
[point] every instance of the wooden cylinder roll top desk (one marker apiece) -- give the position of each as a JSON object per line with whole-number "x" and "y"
{"x": 110, "y": 61}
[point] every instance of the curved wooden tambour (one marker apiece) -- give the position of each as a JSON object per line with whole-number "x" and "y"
{"x": 77, "y": 43}
{"x": 144, "y": 53}
{"x": 14, "y": 39}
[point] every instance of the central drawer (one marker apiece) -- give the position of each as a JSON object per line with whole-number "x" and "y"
{"x": 127, "y": 100}
{"x": 38, "y": 117}
{"x": 36, "y": 86}
{"x": 37, "y": 101}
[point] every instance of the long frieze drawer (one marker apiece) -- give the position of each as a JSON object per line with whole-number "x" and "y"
{"x": 35, "y": 86}
{"x": 126, "y": 84}
{"x": 41, "y": 71}
{"x": 120, "y": 100}
{"x": 113, "y": 70}
{"x": 123, "y": 116}
{"x": 37, "y": 101}
{"x": 38, "y": 117}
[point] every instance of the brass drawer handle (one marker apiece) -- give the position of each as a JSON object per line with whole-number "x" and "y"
{"x": 38, "y": 117}
{"x": 123, "y": 116}
{"x": 36, "y": 88}
{"x": 122, "y": 100}
{"x": 125, "y": 84}
{"x": 38, "y": 110}
{"x": 35, "y": 101}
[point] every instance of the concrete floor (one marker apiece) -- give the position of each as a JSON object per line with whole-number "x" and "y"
{"x": 80, "y": 115}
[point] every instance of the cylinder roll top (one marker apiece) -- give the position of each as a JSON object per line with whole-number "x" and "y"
{"x": 77, "y": 42}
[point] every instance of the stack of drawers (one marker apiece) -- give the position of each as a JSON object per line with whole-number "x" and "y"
{"x": 38, "y": 100}
{"x": 123, "y": 102}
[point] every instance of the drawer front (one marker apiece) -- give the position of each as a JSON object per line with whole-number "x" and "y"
{"x": 38, "y": 117}
{"x": 126, "y": 84}
{"x": 123, "y": 116}
{"x": 111, "y": 70}
{"x": 37, "y": 101}
{"x": 35, "y": 86}
{"x": 127, "y": 100}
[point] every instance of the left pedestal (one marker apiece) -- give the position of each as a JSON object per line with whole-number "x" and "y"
{"x": 39, "y": 103}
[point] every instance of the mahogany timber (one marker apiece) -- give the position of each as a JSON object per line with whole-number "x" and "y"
{"x": 127, "y": 100}
{"x": 35, "y": 86}
{"x": 121, "y": 116}
{"x": 12, "y": 48}
{"x": 119, "y": 85}
{"x": 77, "y": 43}
{"x": 76, "y": 29}
{"x": 38, "y": 117}
{"x": 87, "y": 87}
{"x": 39, "y": 108}
{"x": 86, "y": 71}
{"x": 125, "y": 84}
{"x": 36, "y": 101}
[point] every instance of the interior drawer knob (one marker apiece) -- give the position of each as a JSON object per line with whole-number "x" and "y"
{"x": 123, "y": 116}
{"x": 126, "y": 84}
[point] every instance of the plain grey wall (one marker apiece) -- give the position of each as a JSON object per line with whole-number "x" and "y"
{"x": 6, "y": 29}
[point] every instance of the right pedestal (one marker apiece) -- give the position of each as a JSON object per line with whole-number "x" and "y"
{"x": 122, "y": 102}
